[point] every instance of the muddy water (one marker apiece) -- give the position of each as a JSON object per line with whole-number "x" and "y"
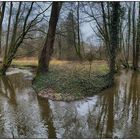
{"x": 113, "y": 113}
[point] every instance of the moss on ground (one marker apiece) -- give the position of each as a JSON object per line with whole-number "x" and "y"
{"x": 71, "y": 81}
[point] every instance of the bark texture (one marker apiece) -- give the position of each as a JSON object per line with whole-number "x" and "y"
{"x": 46, "y": 53}
{"x": 114, "y": 28}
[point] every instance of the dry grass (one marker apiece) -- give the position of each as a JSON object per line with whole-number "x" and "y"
{"x": 25, "y": 63}
{"x": 79, "y": 67}
{"x": 34, "y": 62}
{"x": 73, "y": 66}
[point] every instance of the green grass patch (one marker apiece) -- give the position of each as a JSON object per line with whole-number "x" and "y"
{"x": 72, "y": 81}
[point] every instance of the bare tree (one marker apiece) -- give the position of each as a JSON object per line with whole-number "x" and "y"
{"x": 46, "y": 53}
{"x": 114, "y": 37}
{"x": 137, "y": 41}
{"x": 129, "y": 35}
{"x": 134, "y": 35}
{"x": 78, "y": 32}
{"x": 2, "y": 11}
{"x": 20, "y": 31}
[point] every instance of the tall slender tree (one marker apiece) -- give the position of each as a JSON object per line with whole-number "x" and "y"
{"x": 2, "y": 11}
{"x": 134, "y": 35}
{"x": 129, "y": 35}
{"x": 17, "y": 38}
{"x": 78, "y": 31}
{"x": 137, "y": 41}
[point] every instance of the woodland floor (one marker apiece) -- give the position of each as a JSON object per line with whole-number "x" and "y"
{"x": 68, "y": 80}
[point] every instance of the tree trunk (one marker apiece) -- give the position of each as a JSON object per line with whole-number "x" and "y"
{"x": 1, "y": 21}
{"x": 114, "y": 38}
{"x": 14, "y": 33}
{"x": 138, "y": 41}
{"x": 78, "y": 32}
{"x": 129, "y": 34}
{"x": 59, "y": 47}
{"x": 106, "y": 28}
{"x": 8, "y": 31}
{"x": 46, "y": 53}
{"x": 15, "y": 43}
{"x": 134, "y": 38}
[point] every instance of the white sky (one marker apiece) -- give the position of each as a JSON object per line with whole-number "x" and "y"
{"x": 85, "y": 27}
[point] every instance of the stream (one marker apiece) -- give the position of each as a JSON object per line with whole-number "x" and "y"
{"x": 113, "y": 113}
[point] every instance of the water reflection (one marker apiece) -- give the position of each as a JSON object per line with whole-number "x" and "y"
{"x": 114, "y": 113}
{"x": 46, "y": 114}
{"x": 7, "y": 89}
{"x": 20, "y": 113}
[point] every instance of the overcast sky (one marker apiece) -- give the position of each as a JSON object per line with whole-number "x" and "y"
{"x": 85, "y": 27}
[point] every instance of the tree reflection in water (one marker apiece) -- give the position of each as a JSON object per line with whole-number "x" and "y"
{"x": 114, "y": 113}
{"x": 21, "y": 114}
